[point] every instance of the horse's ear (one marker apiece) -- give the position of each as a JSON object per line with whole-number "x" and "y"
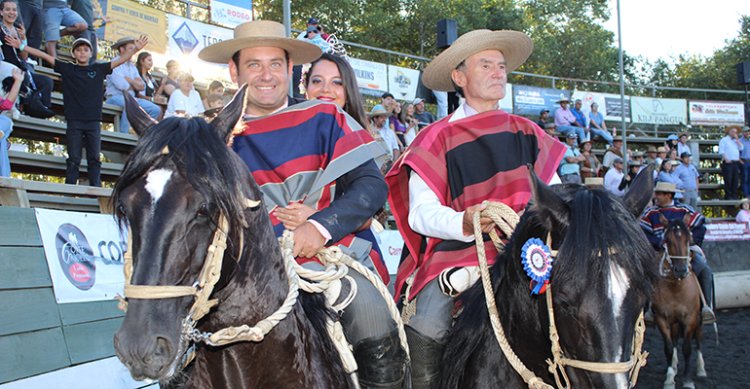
{"x": 225, "y": 122}
{"x": 551, "y": 207}
{"x": 686, "y": 219}
{"x": 640, "y": 192}
{"x": 663, "y": 220}
{"x": 138, "y": 118}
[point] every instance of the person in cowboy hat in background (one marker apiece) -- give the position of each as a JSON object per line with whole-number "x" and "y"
{"x": 315, "y": 167}
{"x": 433, "y": 209}
{"x": 566, "y": 122}
{"x": 665, "y": 205}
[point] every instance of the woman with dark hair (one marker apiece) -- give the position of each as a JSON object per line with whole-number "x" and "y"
{"x": 144, "y": 64}
{"x": 410, "y": 122}
{"x": 340, "y": 87}
{"x": 169, "y": 83}
{"x": 590, "y": 166}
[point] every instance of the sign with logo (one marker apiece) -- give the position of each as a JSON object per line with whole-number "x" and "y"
{"x": 128, "y": 18}
{"x": 188, "y": 37}
{"x": 716, "y": 112}
{"x": 652, "y": 110}
{"x": 84, "y": 253}
{"x": 609, "y": 104}
{"x": 727, "y": 231}
{"x": 402, "y": 82}
{"x": 230, "y": 13}
{"x": 372, "y": 77}
{"x": 391, "y": 243}
{"x": 530, "y": 100}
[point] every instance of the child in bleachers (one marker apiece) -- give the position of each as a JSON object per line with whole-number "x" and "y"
{"x": 82, "y": 85}
{"x": 6, "y": 125}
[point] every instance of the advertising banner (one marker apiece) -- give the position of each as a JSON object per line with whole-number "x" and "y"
{"x": 403, "y": 82}
{"x": 716, "y": 112}
{"x": 727, "y": 231}
{"x": 129, "y": 18}
{"x": 652, "y": 110}
{"x": 84, "y": 253}
{"x": 530, "y": 100}
{"x": 609, "y": 104}
{"x": 188, "y": 37}
{"x": 372, "y": 77}
{"x": 230, "y": 13}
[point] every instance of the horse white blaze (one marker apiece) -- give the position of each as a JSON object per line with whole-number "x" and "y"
{"x": 156, "y": 181}
{"x": 617, "y": 288}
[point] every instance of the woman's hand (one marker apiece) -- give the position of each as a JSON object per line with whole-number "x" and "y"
{"x": 293, "y": 215}
{"x": 12, "y": 41}
{"x": 17, "y": 74}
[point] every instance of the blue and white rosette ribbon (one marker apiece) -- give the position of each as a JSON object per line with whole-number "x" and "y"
{"x": 537, "y": 262}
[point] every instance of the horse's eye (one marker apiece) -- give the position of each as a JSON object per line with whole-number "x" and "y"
{"x": 204, "y": 209}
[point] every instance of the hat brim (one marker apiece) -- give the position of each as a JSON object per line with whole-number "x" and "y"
{"x": 515, "y": 46}
{"x": 300, "y": 52}
{"x": 117, "y": 45}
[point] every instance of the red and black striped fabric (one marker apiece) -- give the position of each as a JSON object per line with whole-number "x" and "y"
{"x": 465, "y": 162}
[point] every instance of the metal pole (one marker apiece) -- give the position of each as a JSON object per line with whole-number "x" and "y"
{"x": 288, "y": 29}
{"x": 622, "y": 90}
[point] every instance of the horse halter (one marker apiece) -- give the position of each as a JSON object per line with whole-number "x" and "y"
{"x": 666, "y": 257}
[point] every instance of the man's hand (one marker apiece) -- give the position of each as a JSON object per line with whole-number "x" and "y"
{"x": 293, "y": 215}
{"x": 486, "y": 223}
{"x": 141, "y": 42}
{"x": 307, "y": 241}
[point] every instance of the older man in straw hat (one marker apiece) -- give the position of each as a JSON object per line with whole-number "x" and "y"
{"x": 651, "y": 223}
{"x": 478, "y": 153}
{"x": 315, "y": 167}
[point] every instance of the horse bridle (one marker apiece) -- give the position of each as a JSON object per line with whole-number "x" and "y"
{"x": 667, "y": 257}
{"x": 506, "y": 219}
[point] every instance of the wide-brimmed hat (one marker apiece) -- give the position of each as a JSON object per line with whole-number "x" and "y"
{"x": 637, "y": 154}
{"x": 668, "y": 187}
{"x": 593, "y": 181}
{"x": 651, "y": 149}
{"x": 617, "y": 138}
{"x": 515, "y": 46}
{"x": 261, "y": 33}
{"x": 121, "y": 42}
{"x": 731, "y": 126}
{"x": 378, "y": 110}
{"x": 562, "y": 99}
{"x": 661, "y": 149}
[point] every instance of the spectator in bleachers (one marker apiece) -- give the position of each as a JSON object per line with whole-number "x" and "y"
{"x": 38, "y": 88}
{"x": 614, "y": 178}
{"x": 82, "y": 83}
{"x": 125, "y": 79}
{"x": 667, "y": 174}
{"x": 634, "y": 167}
{"x": 425, "y": 118}
{"x": 85, "y": 8}
{"x": 314, "y": 36}
{"x": 729, "y": 148}
{"x": 215, "y": 88}
{"x": 661, "y": 155}
{"x": 6, "y": 124}
{"x": 545, "y": 123}
{"x": 613, "y": 152}
{"x": 33, "y": 21}
{"x": 56, "y": 14}
{"x": 597, "y": 125}
{"x": 651, "y": 156}
{"x": 671, "y": 142}
{"x": 638, "y": 157}
{"x": 410, "y": 122}
{"x": 566, "y": 122}
{"x": 682, "y": 146}
{"x": 397, "y": 125}
{"x": 743, "y": 216}
{"x": 570, "y": 168}
{"x": 185, "y": 101}
{"x": 580, "y": 118}
{"x": 169, "y": 83}
{"x": 688, "y": 175}
{"x": 144, "y": 63}
{"x": 590, "y": 167}
{"x": 745, "y": 157}
{"x": 672, "y": 154}
{"x": 378, "y": 117}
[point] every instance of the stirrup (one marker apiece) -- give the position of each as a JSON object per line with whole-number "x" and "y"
{"x": 707, "y": 315}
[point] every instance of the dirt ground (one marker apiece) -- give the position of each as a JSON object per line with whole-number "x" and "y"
{"x": 726, "y": 363}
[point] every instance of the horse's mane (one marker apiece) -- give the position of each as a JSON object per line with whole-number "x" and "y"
{"x": 201, "y": 157}
{"x": 600, "y": 230}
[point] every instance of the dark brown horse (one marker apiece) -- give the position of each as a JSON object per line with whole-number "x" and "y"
{"x": 175, "y": 185}
{"x": 677, "y": 303}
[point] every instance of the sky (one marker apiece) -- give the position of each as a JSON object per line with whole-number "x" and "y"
{"x": 667, "y": 28}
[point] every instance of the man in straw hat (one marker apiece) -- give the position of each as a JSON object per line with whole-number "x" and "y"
{"x": 477, "y": 153}
{"x": 730, "y": 148}
{"x": 315, "y": 167}
{"x": 613, "y": 152}
{"x": 651, "y": 223}
{"x": 566, "y": 121}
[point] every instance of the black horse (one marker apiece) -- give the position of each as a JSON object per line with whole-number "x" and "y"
{"x": 601, "y": 279}
{"x": 174, "y": 186}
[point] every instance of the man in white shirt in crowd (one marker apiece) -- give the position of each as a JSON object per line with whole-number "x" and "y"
{"x": 613, "y": 178}
{"x": 729, "y": 148}
{"x": 379, "y": 119}
{"x": 682, "y": 145}
{"x": 479, "y": 153}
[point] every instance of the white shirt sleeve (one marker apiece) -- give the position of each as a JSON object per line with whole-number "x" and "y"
{"x": 429, "y": 217}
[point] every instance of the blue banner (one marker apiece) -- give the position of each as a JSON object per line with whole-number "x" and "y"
{"x": 530, "y": 100}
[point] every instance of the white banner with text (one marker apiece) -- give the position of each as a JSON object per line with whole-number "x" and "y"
{"x": 716, "y": 113}
{"x": 652, "y": 110}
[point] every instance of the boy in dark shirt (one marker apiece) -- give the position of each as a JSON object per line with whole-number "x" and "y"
{"x": 82, "y": 99}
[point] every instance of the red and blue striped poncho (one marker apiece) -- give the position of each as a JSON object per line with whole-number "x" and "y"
{"x": 298, "y": 154}
{"x": 482, "y": 157}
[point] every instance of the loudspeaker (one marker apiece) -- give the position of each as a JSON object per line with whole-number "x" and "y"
{"x": 446, "y": 33}
{"x": 743, "y": 72}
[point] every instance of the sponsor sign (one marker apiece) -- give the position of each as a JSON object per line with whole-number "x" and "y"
{"x": 609, "y": 104}
{"x": 372, "y": 77}
{"x": 652, "y": 110}
{"x": 391, "y": 243}
{"x": 129, "y": 18}
{"x": 727, "y": 231}
{"x": 84, "y": 254}
{"x": 402, "y": 82}
{"x": 530, "y": 100}
{"x": 716, "y": 112}
{"x": 188, "y": 37}
{"x": 230, "y": 13}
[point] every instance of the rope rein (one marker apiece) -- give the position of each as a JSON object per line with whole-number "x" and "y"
{"x": 506, "y": 220}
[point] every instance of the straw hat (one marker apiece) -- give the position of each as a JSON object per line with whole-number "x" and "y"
{"x": 618, "y": 138}
{"x": 121, "y": 42}
{"x": 661, "y": 149}
{"x": 731, "y": 126}
{"x": 515, "y": 46}
{"x": 261, "y": 33}
{"x": 667, "y": 187}
{"x": 593, "y": 182}
{"x": 378, "y": 110}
